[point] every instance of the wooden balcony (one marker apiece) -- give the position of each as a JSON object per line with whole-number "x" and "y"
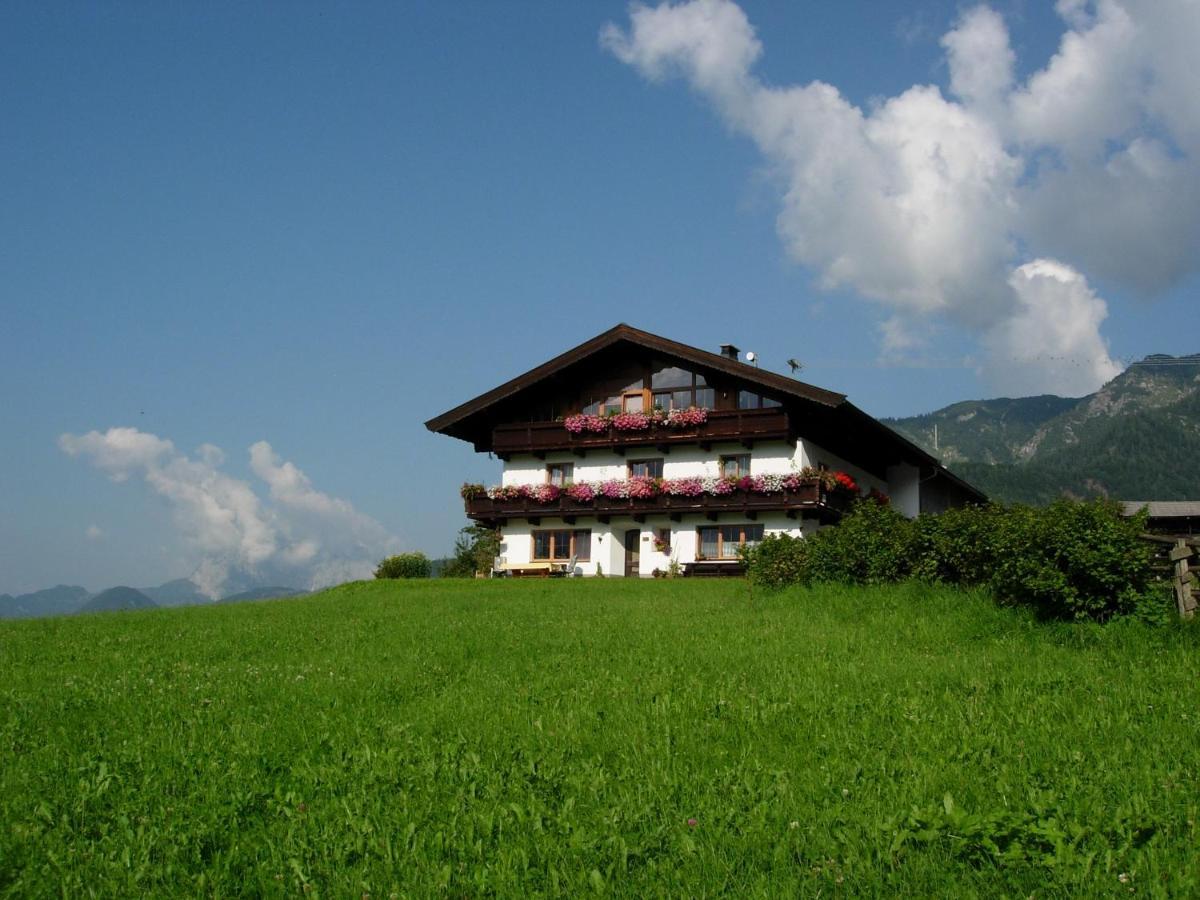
{"x": 742, "y": 425}
{"x": 810, "y": 502}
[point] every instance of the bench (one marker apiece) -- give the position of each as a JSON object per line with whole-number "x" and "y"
{"x": 713, "y": 568}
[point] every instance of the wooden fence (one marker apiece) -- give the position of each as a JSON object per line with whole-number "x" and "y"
{"x": 1171, "y": 561}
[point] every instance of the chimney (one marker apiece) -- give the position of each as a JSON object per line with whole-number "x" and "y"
{"x": 729, "y": 351}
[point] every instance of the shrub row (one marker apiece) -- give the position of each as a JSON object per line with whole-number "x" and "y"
{"x": 1068, "y": 560}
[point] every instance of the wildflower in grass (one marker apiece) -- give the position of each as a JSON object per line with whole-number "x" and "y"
{"x": 692, "y": 823}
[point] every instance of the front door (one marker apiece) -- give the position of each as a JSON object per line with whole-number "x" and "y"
{"x": 633, "y": 540}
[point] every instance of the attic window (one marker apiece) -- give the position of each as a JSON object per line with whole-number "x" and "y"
{"x": 676, "y": 388}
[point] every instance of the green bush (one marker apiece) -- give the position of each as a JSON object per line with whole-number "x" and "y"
{"x": 873, "y": 544}
{"x": 1069, "y": 560}
{"x": 957, "y": 546}
{"x": 778, "y": 560}
{"x": 404, "y": 565}
{"x": 1072, "y": 560}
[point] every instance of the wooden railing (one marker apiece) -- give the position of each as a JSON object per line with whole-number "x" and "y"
{"x": 810, "y": 501}
{"x": 1172, "y": 561}
{"x": 744, "y": 425}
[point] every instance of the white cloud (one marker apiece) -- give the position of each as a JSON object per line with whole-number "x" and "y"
{"x": 1054, "y": 335}
{"x": 301, "y": 534}
{"x": 119, "y": 451}
{"x": 931, "y": 204}
{"x": 94, "y": 533}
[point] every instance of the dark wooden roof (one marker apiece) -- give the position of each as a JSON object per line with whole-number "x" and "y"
{"x": 827, "y": 412}
{"x": 626, "y": 333}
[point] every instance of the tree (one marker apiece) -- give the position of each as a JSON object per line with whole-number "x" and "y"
{"x": 475, "y": 549}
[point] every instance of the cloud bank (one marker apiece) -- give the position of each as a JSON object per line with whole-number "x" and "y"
{"x": 297, "y": 535}
{"x": 986, "y": 207}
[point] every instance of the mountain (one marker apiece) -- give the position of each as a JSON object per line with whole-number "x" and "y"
{"x": 180, "y": 592}
{"x": 118, "y": 598}
{"x": 262, "y": 593}
{"x": 54, "y": 601}
{"x": 1137, "y": 438}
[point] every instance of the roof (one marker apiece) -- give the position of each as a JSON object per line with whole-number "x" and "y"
{"x": 828, "y": 406}
{"x": 629, "y": 334}
{"x": 1163, "y": 509}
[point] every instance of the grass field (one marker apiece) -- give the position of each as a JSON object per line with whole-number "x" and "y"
{"x": 600, "y": 736}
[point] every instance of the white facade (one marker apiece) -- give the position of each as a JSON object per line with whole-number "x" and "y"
{"x": 607, "y": 548}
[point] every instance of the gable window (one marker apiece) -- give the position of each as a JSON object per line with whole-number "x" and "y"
{"x": 645, "y": 468}
{"x": 559, "y": 545}
{"x": 723, "y": 541}
{"x": 751, "y": 400}
{"x": 675, "y": 388}
{"x": 735, "y": 465}
{"x": 559, "y": 473}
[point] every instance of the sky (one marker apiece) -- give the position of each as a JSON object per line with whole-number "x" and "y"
{"x": 247, "y": 250}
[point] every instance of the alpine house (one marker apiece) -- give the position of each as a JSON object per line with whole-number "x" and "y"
{"x": 633, "y": 453}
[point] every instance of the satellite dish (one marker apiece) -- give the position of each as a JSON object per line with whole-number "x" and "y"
{"x": 750, "y": 357}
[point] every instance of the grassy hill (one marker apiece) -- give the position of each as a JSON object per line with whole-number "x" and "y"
{"x": 1138, "y": 437}
{"x": 568, "y": 738}
{"x": 116, "y": 599}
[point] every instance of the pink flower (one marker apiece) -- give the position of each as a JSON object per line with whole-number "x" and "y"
{"x": 683, "y": 487}
{"x": 580, "y": 423}
{"x": 581, "y": 492}
{"x": 544, "y": 493}
{"x": 692, "y": 823}
{"x": 642, "y": 487}
{"x": 683, "y": 418}
{"x": 614, "y": 489}
{"x": 631, "y": 421}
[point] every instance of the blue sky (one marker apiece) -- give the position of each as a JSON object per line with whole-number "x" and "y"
{"x": 319, "y": 226}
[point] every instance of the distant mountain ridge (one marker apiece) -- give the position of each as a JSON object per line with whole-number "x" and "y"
{"x": 69, "y": 599}
{"x": 118, "y": 598}
{"x": 1137, "y": 438}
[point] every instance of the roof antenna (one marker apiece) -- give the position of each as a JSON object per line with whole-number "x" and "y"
{"x": 795, "y": 364}
{"x": 752, "y": 357}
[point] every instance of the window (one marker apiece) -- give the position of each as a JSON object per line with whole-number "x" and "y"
{"x": 559, "y": 473}
{"x": 751, "y": 400}
{"x": 662, "y": 540}
{"x": 723, "y": 541}
{"x": 645, "y": 468}
{"x": 735, "y": 466}
{"x": 561, "y": 544}
{"x": 675, "y": 388}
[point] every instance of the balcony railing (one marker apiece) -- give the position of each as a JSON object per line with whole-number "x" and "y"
{"x": 744, "y": 425}
{"x": 810, "y": 501}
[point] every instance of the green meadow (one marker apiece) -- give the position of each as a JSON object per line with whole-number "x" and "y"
{"x": 598, "y": 737}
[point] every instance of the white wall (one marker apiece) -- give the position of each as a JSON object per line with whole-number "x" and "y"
{"x": 608, "y": 547}
{"x": 905, "y": 483}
